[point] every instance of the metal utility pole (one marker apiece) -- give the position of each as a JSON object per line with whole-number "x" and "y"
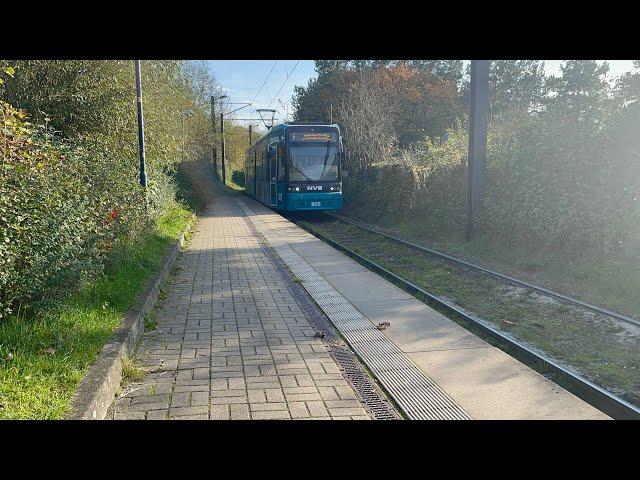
{"x": 213, "y": 129}
{"x": 222, "y": 152}
{"x": 477, "y": 159}
{"x": 213, "y": 124}
{"x": 143, "y": 173}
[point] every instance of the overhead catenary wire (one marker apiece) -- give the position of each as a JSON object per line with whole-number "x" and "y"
{"x": 284, "y": 83}
{"x": 265, "y": 81}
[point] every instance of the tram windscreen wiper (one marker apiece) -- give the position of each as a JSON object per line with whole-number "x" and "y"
{"x": 326, "y": 157}
{"x": 301, "y": 172}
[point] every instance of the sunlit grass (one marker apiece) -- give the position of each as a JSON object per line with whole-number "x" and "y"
{"x": 43, "y": 359}
{"x": 610, "y": 280}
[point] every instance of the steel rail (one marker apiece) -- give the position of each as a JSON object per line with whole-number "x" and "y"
{"x": 591, "y": 393}
{"x": 501, "y": 276}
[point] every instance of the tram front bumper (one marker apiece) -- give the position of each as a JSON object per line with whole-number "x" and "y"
{"x": 314, "y": 201}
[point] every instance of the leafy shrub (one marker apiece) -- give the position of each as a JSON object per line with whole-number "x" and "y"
{"x": 69, "y": 181}
{"x": 552, "y": 182}
{"x": 62, "y": 209}
{"x": 52, "y": 223}
{"x": 237, "y": 177}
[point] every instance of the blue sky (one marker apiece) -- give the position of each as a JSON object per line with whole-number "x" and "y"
{"x": 242, "y": 79}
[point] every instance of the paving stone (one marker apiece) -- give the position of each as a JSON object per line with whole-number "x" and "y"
{"x": 317, "y": 409}
{"x": 270, "y": 415}
{"x": 191, "y": 417}
{"x": 181, "y": 400}
{"x": 227, "y": 400}
{"x": 129, "y": 416}
{"x": 183, "y": 411}
{"x": 274, "y": 395}
{"x": 199, "y": 398}
{"x": 342, "y": 404}
{"x": 220, "y": 412}
{"x": 260, "y": 407}
{"x": 337, "y": 412}
{"x": 157, "y": 415}
{"x": 298, "y": 410}
{"x": 231, "y": 341}
{"x": 240, "y": 412}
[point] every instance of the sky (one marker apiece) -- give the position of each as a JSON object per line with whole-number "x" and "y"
{"x": 242, "y": 81}
{"x": 265, "y": 82}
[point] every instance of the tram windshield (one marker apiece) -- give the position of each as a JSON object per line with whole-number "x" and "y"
{"x": 318, "y": 162}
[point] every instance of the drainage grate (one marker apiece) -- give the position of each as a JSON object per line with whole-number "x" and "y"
{"x": 418, "y": 396}
{"x": 369, "y": 394}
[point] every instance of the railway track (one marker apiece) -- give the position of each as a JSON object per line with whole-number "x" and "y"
{"x": 571, "y": 380}
{"x": 498, "y": 275}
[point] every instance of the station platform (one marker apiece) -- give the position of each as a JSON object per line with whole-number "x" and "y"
{"x": 233, "y": 342}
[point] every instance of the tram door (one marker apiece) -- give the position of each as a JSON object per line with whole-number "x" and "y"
{"x": 273, "y": 175}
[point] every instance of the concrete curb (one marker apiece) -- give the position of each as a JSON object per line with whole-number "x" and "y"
{"x": 98, "y": 388}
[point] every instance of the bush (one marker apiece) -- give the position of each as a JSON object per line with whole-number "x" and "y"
{"x": 69, "y": 189}
{"x": 237, "y": 177}
{"x": 62, "y": 209}
{"x": 54, "y": 224}
{"x": 552, "y": 183}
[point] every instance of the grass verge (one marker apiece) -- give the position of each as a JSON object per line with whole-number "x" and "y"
{"x": 42, "y": 360}
{"x": 609, "y": 280}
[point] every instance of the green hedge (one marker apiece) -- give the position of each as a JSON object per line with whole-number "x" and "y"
{"x": 62, "y": 207}
{"x": 553, "y": 183}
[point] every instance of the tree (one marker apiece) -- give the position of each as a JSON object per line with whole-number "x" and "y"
{"x": 582, "y": 90}
{"x": 420, "y": 103}
{"x": 364, "y": 114}
{"x": 516, "y": 84}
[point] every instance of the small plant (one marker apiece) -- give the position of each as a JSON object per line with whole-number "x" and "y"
{"x": 131, "y": 371}
{"x": 150, "y": 323}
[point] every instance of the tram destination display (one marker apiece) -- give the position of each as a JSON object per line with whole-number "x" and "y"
{"x": 314, "y": 137}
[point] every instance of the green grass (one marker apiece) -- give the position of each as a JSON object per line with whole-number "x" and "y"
{"x": 43, "y": 359}
{"x": 611, "y": 280}
{"x": 132, "y": 371}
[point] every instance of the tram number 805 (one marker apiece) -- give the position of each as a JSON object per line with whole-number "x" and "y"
{"x": 316, "y": 204}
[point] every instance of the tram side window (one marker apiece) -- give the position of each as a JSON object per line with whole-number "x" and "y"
{"x": 266, "y": 165}
{"x": 281, "y": 164}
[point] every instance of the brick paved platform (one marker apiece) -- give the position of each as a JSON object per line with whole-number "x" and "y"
{"x": 231, "y": 341}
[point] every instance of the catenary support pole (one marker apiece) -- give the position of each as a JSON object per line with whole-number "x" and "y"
{"x": 143, "y": 173}
{"x": 478, "y": 119}
{"x": 213, "y": 129}
{"x": 222, "y": 149}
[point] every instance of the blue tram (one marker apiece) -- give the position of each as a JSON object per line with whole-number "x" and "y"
{"x": 296, "y": 167}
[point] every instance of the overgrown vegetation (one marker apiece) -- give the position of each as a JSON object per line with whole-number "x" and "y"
{"x": 69, "y": 183}
{"x": 79, "y": 236}
{"x": 563, "y": 169}
{"x": 43, "y": 358}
